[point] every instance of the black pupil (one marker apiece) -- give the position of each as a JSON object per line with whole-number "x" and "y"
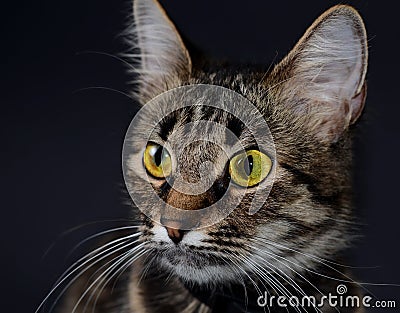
{"x": 158, "y": 156}
{"x": 248, "y": 165}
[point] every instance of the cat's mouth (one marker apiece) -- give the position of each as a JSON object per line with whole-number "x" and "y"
{"x": 196, "y": 265}
{"x": 182, "y": 255}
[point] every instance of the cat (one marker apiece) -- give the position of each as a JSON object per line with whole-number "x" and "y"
{"x": 293, "y": 244}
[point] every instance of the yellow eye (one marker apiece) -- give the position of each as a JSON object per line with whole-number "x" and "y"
{"x": 249, "y": 168}
{"x": 157, "y": 160}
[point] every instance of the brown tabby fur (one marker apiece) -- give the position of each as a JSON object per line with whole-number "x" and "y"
{"x": 308, "y": 210}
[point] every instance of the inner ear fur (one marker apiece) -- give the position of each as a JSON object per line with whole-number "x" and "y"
{"x": 323, "y": 76}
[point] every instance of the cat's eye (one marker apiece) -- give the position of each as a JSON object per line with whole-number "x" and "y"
{"x": 157, "y": 160}
{"x": 249, "y": 168}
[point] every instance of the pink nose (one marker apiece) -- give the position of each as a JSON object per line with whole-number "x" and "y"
{"x": 176, "y": 235}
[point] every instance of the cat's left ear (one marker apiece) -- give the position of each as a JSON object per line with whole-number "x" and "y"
{"x": 324, "y": 75}
{"x": 164, "y": 60}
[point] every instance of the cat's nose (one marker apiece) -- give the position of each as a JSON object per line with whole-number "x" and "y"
{"x": 176, "y": 235}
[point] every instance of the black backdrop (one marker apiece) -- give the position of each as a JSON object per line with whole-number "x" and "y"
{"x": 63, "y": 146}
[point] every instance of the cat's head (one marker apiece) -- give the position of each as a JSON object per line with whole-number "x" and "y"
{"x": 309, "y": 100}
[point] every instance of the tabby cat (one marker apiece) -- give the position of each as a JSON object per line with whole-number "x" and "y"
{"x": 293, "y": 244}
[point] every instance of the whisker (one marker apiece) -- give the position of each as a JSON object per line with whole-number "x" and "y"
{"x": 237, "y": 270}
{"x": 227, "y": 262}
{"x": 125, "y": 267}
{"x": 126, "y": 257}
{"x": 289, "y": 280}
{"x": 275, "y": 256}
{"x": 101, "y": 234}
{"x": 72, "y": 269}
{"x": 69, "y": 284}
{"x": 146, "y": 268}
{"x": 106, "y": 265}
{"x": 235, "y": 258}
{"x": 106, "y": 88}
{"x": 278, "y": 286}
{"x": 309, "y": 255}
{"x": 347, "y": 280}
{"x": 91, "y": 285}
{"x": 72, "y": 229}
{"x": 117, "y": 242}
{"x": 107, "y": 54}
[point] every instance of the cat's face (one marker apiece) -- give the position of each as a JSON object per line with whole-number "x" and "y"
{"x": 308, "y": 102}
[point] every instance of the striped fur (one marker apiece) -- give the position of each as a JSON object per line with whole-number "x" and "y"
{"x": 309, "y": 100}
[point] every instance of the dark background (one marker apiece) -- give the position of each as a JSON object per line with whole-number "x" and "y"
{"x": 62, "y": 147}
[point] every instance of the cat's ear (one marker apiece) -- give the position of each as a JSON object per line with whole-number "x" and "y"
{"x": 164, "y": 59}
{"x": 324, "y": 75}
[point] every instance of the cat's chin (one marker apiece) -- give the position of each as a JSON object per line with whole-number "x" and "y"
{"x": 205, "y": 275}
{"x": 197, "y": 268}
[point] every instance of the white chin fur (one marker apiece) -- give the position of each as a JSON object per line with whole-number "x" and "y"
{"x": 208, "y": 275}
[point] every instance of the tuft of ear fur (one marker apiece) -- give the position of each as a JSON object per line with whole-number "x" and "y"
{"x": 324, "y": 75}
{"x": 164, "y": 60}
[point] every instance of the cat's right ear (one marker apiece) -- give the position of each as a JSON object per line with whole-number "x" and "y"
{"x": 163, "y": 59}
{"x": 323, "y": 77}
